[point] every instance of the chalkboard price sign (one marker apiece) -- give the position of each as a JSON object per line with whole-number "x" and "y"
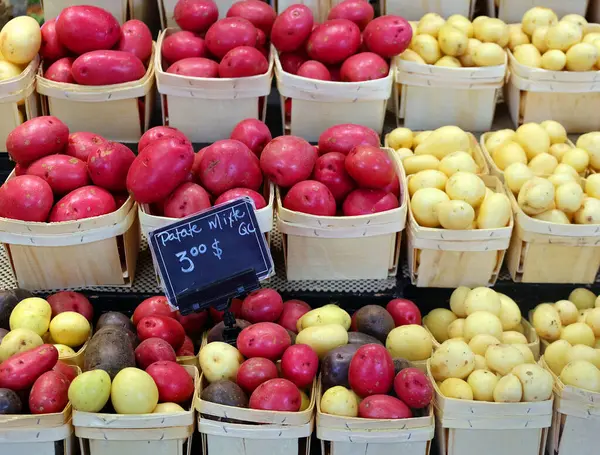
{"x": 210, "y": 257}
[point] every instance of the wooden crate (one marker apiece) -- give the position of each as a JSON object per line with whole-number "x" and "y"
{"x": 318, "y": 105}
{"x": 465, "y": 427}
{"x": 343, "y": 247}
{"x": 119, "y": 112}
{"x": 143, "y": 434}
{"x": 117, "y": 8}
{"x": 444, "y": 258}
{"x": 542, "y": 252}
{"x": 18, "y": 101}
{"x": 428, "y": 97}
{"x": 512, "y": 11}
{"x": 413, "y": 10}
{"x": 570, "y": 98}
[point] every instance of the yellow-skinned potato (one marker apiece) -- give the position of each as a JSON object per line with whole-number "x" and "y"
{"x": 464, "y": 186}
{"x": 437, "y": 322}
{"x": 457, "y": 301}
{"x": 443, "y": 141}
{"x": 400, "y": 138}
{"x": 420, "y": 137}
{"x": 538, "y": 39}
{"x": 503, "y": 358}
{"x": 538, "y": 16}
{"x": 448, "y": 62}
{"x": 592, "y": 186}
{"x": 575, "y": 19}
{"x": 512, "y": 337}
{"x": 411, "y": 342}
{"x": 17, "y": 341}
{"x": 480, "y": 343}
{"x": 589, "y": 213}
{"x": 583, "y": 315}
{"x": 537, "y": 383}
{"x": 417, "y": 163}
{"x": 8, "y": 70}
{"x": 424, "y": 206}
{"x": 581, "y": 374}
{"x": 305, "y": 404}
{"x": 557, "y": 132}
{"x": 427, "y": 47}
{"x": 452, "y": 41}
{"x": 220, "y": 360}
{"x": 567, "y": 311}
{"x": 553, "y": 216}
{"x": 558, "y": 151}
{"x": 592, "y": 319}
{"x": 64, "y": 350}
{"x": 328, "y": 314}
{"x": 323, "y": 338}
{"x": 536, "y": 196}
{"x": 32, "y": 313}
{"x": 429, "y": 178}
{"x": 563, "y": 35}
{"x": 339, "y": 401}
{"x": 583, "y": 352}
{"x": 482, "y": 322}
{"x": 554, "y": 60}
{"x": 556, "y": 354}
{"x": 563, "y": 168}
{"x": 590, "y": 38}
{"x": 466, "y": 59}
{"x": 543, "y": 164}
{"x": 478, "y": 23}
{"x": 516, "y": 36}
{"x": 20, "y": 40}
{"x": 526, "y": 351}
{"x": 546, "y": 322}
{"x": 462, "y": 23}
{"x": 456, "y": 329}
{"x": 560, "y": 179}
{"x": 516, "y": 175}
{"x": 430, "y": 24}
{"x": 133, "y": 391}
{"x": 510, "y": 313}
{"x": 453, "y": 359}
{"x": 577, "y": 158}
{"x": 169, "y": 408}
{"x": 493, "y": 31}
{"x": 582, "y": 57}
{"x": 489, "y": 54}
{"x": 578, "y": 333}
{"x": 494, "y": 212}
{"x": 404, "y": 153}
{"x": 483, "y": 383}
{"x": 528, "y": 55}
{"x": 482, "y": 299}
{"x": 458, "y": 162}
{"x": 508, "y": 390}
{"x": 90, "y": 391}
{"x": 569, "y": 197}
{"x": 411, "y": 56}
{"x": 70, "y": 328}
{"x": 498, "y": 138}
{"x": 533, "y": 138}
{"x": 508, "y": 153}
{"x": 480, "y": 363}
{"x": 456, "y": 215}
{"x": 456, "y": 388}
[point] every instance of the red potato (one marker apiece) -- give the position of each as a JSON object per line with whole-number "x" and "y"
{"x": 187, "y": 348}
{"x": 314, "y": 70}
{"x": 335, "y": 70}
{"x": 109, "y": 165}
{"x": 261, "y": 39}
{"x": 371, "y": 370}
{"x": 330, "y": 170}
{"x": 187, "y": 199}
{"x": 164, "y": 327}
{"x": 71, "y": 301}
{"x": 20, "y": 170}
{"x": 235, "y": 308}
{"x": 85, "y": 202}
{"x": 107, "y": 68}
{"x": 253, "y": 372}
{"x": 383, "y": 407}
{"x": 365, "y": 201}
{"x": 195, "y": 15}
{"x": 229, "y": 33}
{"x": 20, "y": 371}
{"x": 353, "y": 327}
{"x": 259, "y": 13}
{"x": 157, "y": 133}
{"x": 387, "y": 36}
{"x": 292, "y": 311}
{"x": 300, "y": 364}
{"x": 413, "y": 388}
{"x": 153, "y": 350}
{"x": 287, "y": 160}
{"x": 343, "y": 138}
{"x": 276, "y": 395}
{"x": 358, "y": 11}
{"x": 229, "y": 164}
{"x": 287, "y": 110}
{"x": 193, "y": 323}
{"x": 264, "y": 305}
{"x": 292, "y": 28}
{"x": 174, "y": 383}
{"x": 404, "y": 312}
{"x": 393, "y": 188}
{"x": 36, "y": 138}
{"x": 333, "y": 41}
{"x": 180, "y": 45}
{"x": 51, "y": 48}
{"x": 196, "y": 166}
{"x": 153, "y": 306}
{"x": 264, "y": 339}
{"x": 365, "y": 66}
{"x": 243, "y": 61}
{"x": 26, "y": 198}
{"x": 230, "y": 195}
{"x": 82, "y": 144}
{"x": 63, "y": 173}
{"x": 67, "y": 371}
{"x": 49, "y": 393}
{"x": 61, "y": 71}
{"x": 120, "y": 199}
{"x": 310, "y": 197}
{"x": 136, "y": 39}
{"x": 195, "y": 67}
{"x": 160, "y": 169}
{"x": 292, "y": 61}
{"x": 370, "y": 166}
{"x": 84, "y": 29}
{"x": 254, "y": 133}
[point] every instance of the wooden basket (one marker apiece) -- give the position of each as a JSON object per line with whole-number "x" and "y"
{"x": 318, "y": 105}
{"x": 117, "y": 8}
{"x": 444, "y": 258}
{"x": 207, "y": 109}
{"x": 570, "y": 98}
{"x": 428, "y": 97}
{"x": 512, "y": 11}
{"x": 465, "y": 427}
{"x": 413, "y": 10}
{"x": 119, "y": 112}
{"x": 358, "y": 436}
{"x": 18, "y": 101}
{"x": 542, "y": 252}
{"x": 77, "y": 359}
{"x": 343, "y": 247}
{"x": 142, "y": 434}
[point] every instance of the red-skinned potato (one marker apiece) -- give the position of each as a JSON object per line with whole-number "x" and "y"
{"x": 252, "y": 132}
{"x": 61, "y": 71}
{"x": 371, "y": 370}
{"x": 195, "y": 67}
{"x": 365, "y": 201}
{"x": 196, "y": 166}
{"x": 333, "y": 41}
{"x": 187, "y": 348}
{"x": 264, "y": 339}
{"x": 20, "y": 371}
{"x": 157, "y": 133}
{"x": 310, "y": 197}
{"x": 334, "y": 70}
{"x": 84, "y": 29}
{"x": 26, "y": 198}
{"x": 107, "y": 68}
{"x": 193, "y": 323}
{"x": 49, "y": 393}
{"x": 413, "y": 388}
{"x": 292, "y": 61}
{"x": 287, "y": 160}
{"x": 20, "y": 170}
{"x": 330, "y": 170}
{"x": 259, "y": 13}
{"x": 343, "y": 138}
{"x": 292, "y": 311}
{"x": 159, "y": 169}
{"x": 235, "y": 308}
{"x": 63, "y": 173}
{"x": 187, "y": 199}
{"x": 51, "y": 48}
{"x": 276, "y": 395}
{"x": 253, "y": 372}
{"x": 36, "y": 138}
{"x": 229, "y": 164}
{"x": 180, "y": 45}
{"x": 404, "y": 312}
{"x": 387, "y": 36}
{"x": 243, "y": 61}
{"x": 153, "y": 350}
{"x": 261, "y": 41}
{"x": 394, "y": 188}
{"x": 353, "y": 327}
{"x": 109, "y": 165}
{"x": 195, "y": 15}
{"x": 314, "y": 70}
{"x": 235, "y": 193}
{"x": 383, "y": 407}
{"x": 164, "y": 327}
{"x": 136, "y": 39}
{"x": 264, "y": 305}
{"x": 292, "y": 28}
{"x": 153, "y": 306}
{"x": 365, "y": 66}
{"x": 71, "y": 301}
{"x": 174, "y": 383}
{"x": 300, "y": 364}
{"x": 66, "y": 370}
{"x": 370, "y": 166}
{"x": 85, "y": 202}
{"x": 81, "y": 144}
{"x": 358, "y": 11}
{"x": 229, "y": 33}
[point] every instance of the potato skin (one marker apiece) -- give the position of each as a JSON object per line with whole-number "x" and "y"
{"x": 107, "y": 68}
{"x": 15, "y": 205}
{"x": 21, "y": 370}
{"x": 10, "y": 403}
{"x": 83, "y": 29}
{"x": 378, "y": 33}
{"x": 49, "y": 393}
{"x": 109, "y": 165}
{"x": 61, "y": 71}
{"x": 136, "y": 39}
{"x": 85, "y": 202}
{"x": 292, "y": 27}
{"x": 110, "y": 349}
{"x": 36, "y": 138}
{"x": 63, "y": 173}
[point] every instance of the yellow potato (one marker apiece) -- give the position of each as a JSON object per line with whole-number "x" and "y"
{"x": 582, "y": 57}
{"x": 495, "y": 212}
{"x": 554, "y": 60}
{"x": 516, "y": 36}
{"x": 563, "y": 168}
{"x": 437, "y": 322}
{"x": 581, "y": 374}
{"x": 90, "y": 391}
{"x": 503, "y": 358}
{"x": 464, "y": 186}
{"x": 538, "y": 39}
{"x": 526, "y": 351}
{"x": 427, "y": 47}
{"x": 400, "y": 138}
{"x": 411, "y": 342}
{"x": 443, "y": 141}
{"x": 563, "y": 35}
{"x": 480, "y": 363}
{"x": 482, "y": 322}
{"x": 576, "y": 19}
{"x": 456, "y": 329}
{"x": 536, "y": 196}
{"x": 560, "y": 179}
{"x": 305, "y": 404}
{"x": 8, "y": 70}
{"x": 480, "y": 343}
{"x": 323, "y": 338}
{"x": 167, "y": 408}
{"x": 424, "y": 206}
{"x": 589, "y": 213}
{"x": 328, "y": 314}
{"x": 543, "y": 164}
{"x": 467, "y": 58}
{"x": 493, "y": 31}
{"x": 512, "y": 337}
{"x": 592, "y": 319}
{"x": 569, "y": 197}
{"x": 339, "y": 401}
{"x": 583, "y": 352}
{"x": 448, "y": 62}
{"x": 557, "y": 132}
{"x": 457, "y": 389}
{"x": 509, "y": 153}
{"x": 452, "y": 41}
{"x": 508, "y": 389}
{"x": 417, "y": 163}
{"x": 567, "y": 311}
{"x": 590, "y": 38}
{"x": 489, "y": 54}
{"x": 510, "y": 314}
{"x": 220, "y": 360}
{"x": 556, "y": 354}
{"x": 528, "y": 55}
{"x": 533, "y": 138}
{"x": 483, "y": 383}
{"x": 462, "y": 23}
{"x": 482, "y": 299}
{"x": 546, "y": 322}
{"x": 133, "y": 391}
{"x": 577, "y": 158}
{"x": 583, "y": 315}
{"x": 592, "y": 186}
{"x": 516, "y": 175}
{"x": 496, "y": 139}
{"x": 411, "y": 56}
{"x": 419, "y": 138}
{"x": 70, "y": 328}
{"x": 537, "y": 383}
{"x": 457, "y": 301}
{"x": 553, "y": 216}
{"x": 478, "y": 23}
{"x": 578, "y": 333}
{"x": 429, "y": 178}
{"x": 430, "y": 24}
{"x": 404, "y": 153}
{"x": 20, "y": 40}
{"x": 453, "y": 359}
{"x": 17, "y": 341}
{"x": 32, "y": 313}
{"x": 538, "y": 16}
{"x": 457, "y": 215}
{"x": 458, "y": 162}
{"x": 64, "y": 350}
{"x": 559, "y": 150}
